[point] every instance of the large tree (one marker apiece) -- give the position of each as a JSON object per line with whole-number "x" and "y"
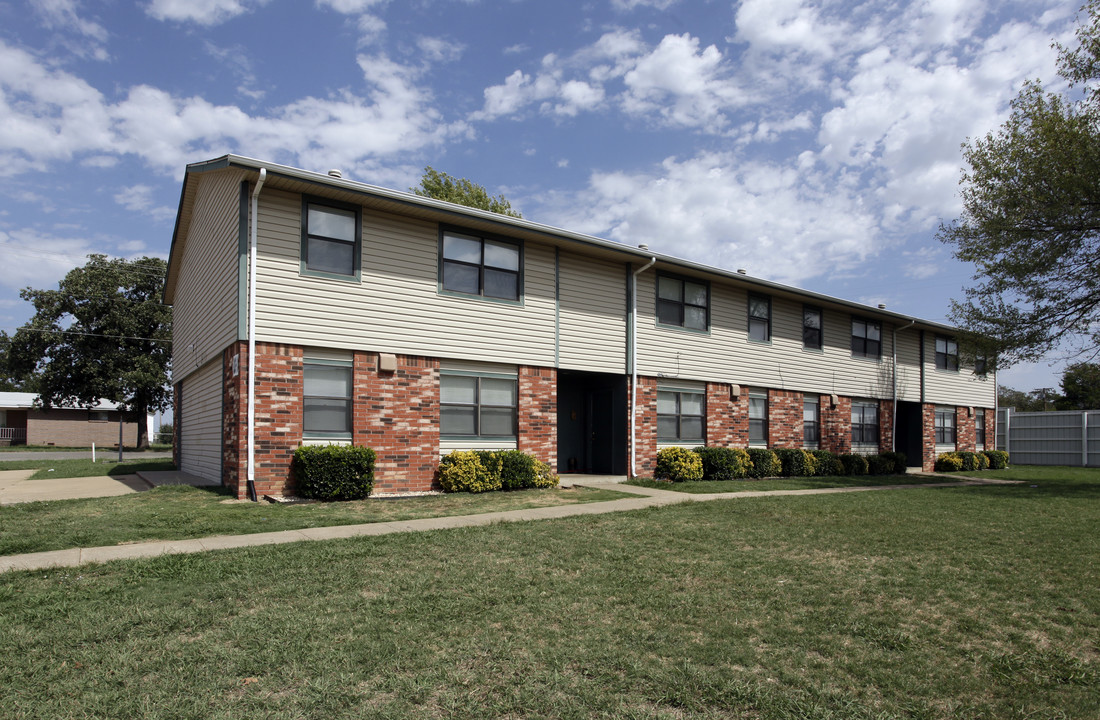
{"x": 104, "y": 333}
{"x": 1031, "y": 217}
{"x": 441, "y": 186}
{"x": 1081, "y": 387}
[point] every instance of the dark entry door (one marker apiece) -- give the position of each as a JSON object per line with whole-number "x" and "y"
{"x": 910, "y": 432}
{"x": 600, "y": 450}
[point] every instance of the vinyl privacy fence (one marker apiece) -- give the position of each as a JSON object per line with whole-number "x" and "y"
{"x": 1050, "y": 438}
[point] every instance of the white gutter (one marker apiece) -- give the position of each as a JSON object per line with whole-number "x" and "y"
{"x": 894, "y": 415}
{"x": 252, "y": 337}
{"x": 634, "y": 359}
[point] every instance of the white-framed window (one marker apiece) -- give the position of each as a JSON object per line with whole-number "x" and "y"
{"x": 945, "y": 426}
{"x": 866, "y": 338}
{"x": 483, "y": 266}
{"x": 811, "y": 422}
{"x": 326, "y": 399}
{"x": 477, "y": 405}
{"x": 979, "y": 429}
{"x": 330, "y": 238}
{"x": 758, "y": 417}
{"x": 813, "y": 333}
{"x": 865, "y": 424}
{"x": 947, "y": 354}
{"x": 683, "y": 302}
{"x": 760, "y": 317}
{"x": 681, "y": 416}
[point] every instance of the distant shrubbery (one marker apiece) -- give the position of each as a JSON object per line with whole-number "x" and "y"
{"x": 721, "y": 463}
{"x": 478, "y": 471}
{"x": 970, "y": 461}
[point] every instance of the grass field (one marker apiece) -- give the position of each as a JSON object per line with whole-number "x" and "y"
{"x": 781, "y": 483}
{"x": 929, "y": 603}
{"x": 80, "y": 467}
{"x": 177, "y": 512}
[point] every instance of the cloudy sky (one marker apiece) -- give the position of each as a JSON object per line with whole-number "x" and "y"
{"x": 815, "y": 143}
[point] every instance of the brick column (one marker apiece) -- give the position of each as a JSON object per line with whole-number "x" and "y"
{"x": 723, "y": 416}
{"x": 645, "y": 431}
{"x": 278, "y": 417}
{"x": 885, "y": 426}
{"x": 538, "y": 413}
{"x": 928, "y": 443}
{"x": 990, "y": 428}
{"x": 397, "y": 415}
{"x": 964, "y": 429}
{"x": 784, "y": 419}
{"x": 836, "y": 425}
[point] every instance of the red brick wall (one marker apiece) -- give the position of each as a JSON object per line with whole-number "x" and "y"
{"x": 885, "y": 426}
{"x": 784, "y": 419}
{"x": 836, "y": 425}
{"x": 727, "y": 420}
{"x": 990, "y": 428}
{"x": 645, "y": 434}
{"x": 538, "y": 413}
{"x": 397, "y": 414}
{"x": 928, "y": 417}
{"x": 964, "y": 429}
{"x": 278, "y": 418}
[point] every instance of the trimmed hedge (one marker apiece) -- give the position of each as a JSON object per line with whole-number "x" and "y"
{"x": 720, "y": 463}
{"x": 854, "y": 464}
{"x": 998, "y": 459}
{"x": 477, "y": 471}
{"x": 795, "y": 462}
{"x": 969, "y": 460}
{"x": 678, "y": 465}
{"x": 826, "y": 463}
{"x": 764, "y": 463}
{"x": 899, "y": 461}
{"x": 334, "y": 472}
{"x": 949, "y": 462}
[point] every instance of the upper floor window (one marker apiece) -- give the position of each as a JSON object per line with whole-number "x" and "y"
{"x": 811, "y": 422}
{"x": 981, "y": 364}
{"x": 326, "y": 402}
{"x": 679, "y": 416}
{"x": 483, "y": 406}
{"x": 812, "y": 335}
{"x": 947, "y": 354}
{"x": 760, "y": 318}
{"x": 866, "y": 338}
{"x": 480, "y": 266}
{"x": 758, "y": 418}
{"x": 864, "y": 423}
{"x": 330, "y": 238}
{"x": 945, "y": 426}
{"x": 682, "y": 302}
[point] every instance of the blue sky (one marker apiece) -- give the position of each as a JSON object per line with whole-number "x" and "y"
{"x": 812, "y": 143}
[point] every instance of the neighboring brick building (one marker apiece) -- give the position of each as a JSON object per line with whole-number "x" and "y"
{"x": 417, "y": 327}
{"x": 22, "y": 423}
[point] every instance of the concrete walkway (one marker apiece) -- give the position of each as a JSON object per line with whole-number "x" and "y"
{"x": 644, "y": 498}
{"x": 17, "y": 487}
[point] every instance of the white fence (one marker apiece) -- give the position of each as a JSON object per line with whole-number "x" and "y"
{"x": 1050, "y": 438}
{"x": 12, "y": 435}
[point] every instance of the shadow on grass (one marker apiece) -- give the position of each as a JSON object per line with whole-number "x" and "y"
{"x": 129, "y": 468}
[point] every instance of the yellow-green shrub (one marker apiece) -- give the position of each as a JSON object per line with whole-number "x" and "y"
{"x": 545, "y": 477}
{"x": 678, "y": 465}
{"x": 466, "y": 471}
{"x": 949, "y": 462}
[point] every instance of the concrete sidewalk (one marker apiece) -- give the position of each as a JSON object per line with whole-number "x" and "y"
{"x": 17, "y": 487}
{"x": 644, "y": 498}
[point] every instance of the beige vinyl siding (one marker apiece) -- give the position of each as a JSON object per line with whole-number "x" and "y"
{"x": 204, "y": 316}
{"x": 397, "y": 307}
{"x": 909, "y": 364}
{"x": 947, "y": 387}
{"x": 201, "y": 422}
{"x": 725, "y": 354}
{"x": 593, "y": 319}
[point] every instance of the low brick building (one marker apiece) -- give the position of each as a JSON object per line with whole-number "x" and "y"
{"x": 24, "y": 422}
{"x": 418, "y": 327}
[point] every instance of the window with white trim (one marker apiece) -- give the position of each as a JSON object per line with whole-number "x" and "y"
{"x": 330, "y": 238}
{"x": 758, "y": 417}
{"x": 947, "y": 354}
{"x": 812, "y": 332}
{"x": 680, "y": 416}
{"x": 811, "y": 422}
{"x": 326, "y": 401}
{"x": 474, "y": 265}
{"x": 865, "y": 423}
{"x": 760, "y": 318}
{"x": 945, "y": 426}
{"x": 979, "y": 430}
{"x": 477, "y": 405}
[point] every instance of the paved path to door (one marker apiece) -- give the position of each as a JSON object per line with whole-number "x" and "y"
{"x": 17, "y": 487}
{"x": 643, "y": 498}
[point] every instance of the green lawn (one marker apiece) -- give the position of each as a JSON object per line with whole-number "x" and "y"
{"x": 72, "y": 468}
{"x": 81, "y": 448}
{"x": 795, "y": 483}
{"x": 177, "y": 512}
{"x": 978, "y": 602}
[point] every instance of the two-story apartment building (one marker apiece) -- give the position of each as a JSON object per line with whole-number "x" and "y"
{"x": 309, "y": 308}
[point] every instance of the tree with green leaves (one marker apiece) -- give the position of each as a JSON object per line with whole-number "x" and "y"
{"x": 1081, "y": 387}
{"x": 103, "y": 334}
{"x": 1031, "y": 217}
{"x": 441, "y": 186}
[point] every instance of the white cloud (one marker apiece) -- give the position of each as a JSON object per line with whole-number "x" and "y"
{"x": 202, "y": 12}
{"x": 632, "y": 4}
{"x": 139, "y": 199}
{"x": 38, "y": 260}
{"x": 438, "y": 49}
{"x": 63, "y": 16}
{"x": 787, "y": 26}
{"x": 350, "y": 7}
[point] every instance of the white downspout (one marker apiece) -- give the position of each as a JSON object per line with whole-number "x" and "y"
{"x": 634, "y": 359}
{"x": 894, "y": 415}
{"x": 252, "y": 337}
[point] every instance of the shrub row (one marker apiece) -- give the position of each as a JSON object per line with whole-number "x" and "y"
{"x": 719, "y": 463}
{"x": 334, "y": 472}
{"x": 477, "y": 471}
{"x": 971, "y": 461}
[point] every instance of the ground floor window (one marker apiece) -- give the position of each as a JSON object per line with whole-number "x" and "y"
{"x": 326, "y": 400}
{"x": 945, "y": 426}
{"x": 979, "y": 430}
{"x": 477, "y": 405}
{"x": 811, "y": 422}
{"x": 758, "y": 417}
{"x": 864, "y": 423}
{"x": 680, "y": 415}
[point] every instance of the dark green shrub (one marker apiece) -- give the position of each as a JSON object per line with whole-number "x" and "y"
{"x": 969, "y": 460}
{"x": 518, "y": 470}
{"x": 854, "y": 464}
{"x": 795, "y": 462}
{"x": 998, "y": 459}
{"x": 826, "y": 463}
{"x": 899, "y": 461}
{"x": 334, "y": 472}
{"x": 720, "y": 463}
{"x": 764, "y": 463}
{"x": 880, "y": 465}
{"x": 678, "y": 465}
{"x": 948, "y": 462}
